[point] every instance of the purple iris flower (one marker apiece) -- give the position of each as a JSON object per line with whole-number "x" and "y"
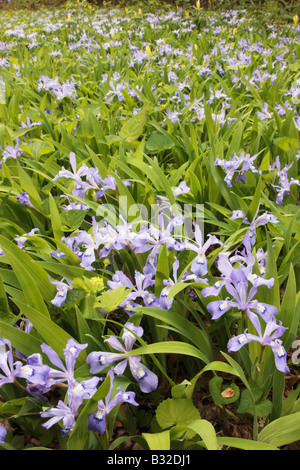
{"x": 116, "y": 90}
{"x": 263, "y": 219}
{"x": 73, "y": 205}
{"x": 63, "y": 372}
{"x": 139, "y": 290}
{"x": 29, "y": 124}
{"x": 9, "y": 369}
{"x": 164, "y": 202}
{"x": 237, "y": 286}
{"x": 236, "y": 282}
{"x": 23, "y": 238}
{"x": 99, "y": 360}
{"x": 62, "y": 290}
{"x": 108, "y": 182}
{"x": 11, "y": 152}
{"x": 271, "y": 336}
{"x": 79, "y": 391}
{"x": 199, "y": 265}
{"x": 24, "y": 199}
{"x": 173, "y": 115}
{"x": 164, "y": 303}
{"x": 37, "y": 376}
{"x": 237, "y": 164}
{"x": 156, "y": 236}
{"x": 153, "y": 238}
{"x": 80, "y": 187}
{"x": 283, "y": 187}
{"x": 187, "y": 276}
{"x": 182, "y": 188}
{"x": 60, "y": 412}
{"x": 3, "y": 433}
{"x": 97, "y": 420}
{"x": 112, "y": 238}
{"x": 264, "y": 114}
{"x": 107, "y": 237}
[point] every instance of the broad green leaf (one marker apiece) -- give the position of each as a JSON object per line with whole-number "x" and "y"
{"x": 244, "y": 444}
{"x": 158, "y": 441}
{"x": 185, "y": 327}
{"x": 285, "y": 143}
{"x": 288, "y": 308}
{"x": 23, "y": 342}
{"x": 55, "y": 219}
{"x": 282, "y": 431}
{"x": 4, "y": 308}
{"x": 32, "y": 278}
{"x": 216, "y": 389}
{"x": 253, "y": 207}
{"x": 158, "y": 141}
{"x": 207, "y": 433}
{"x": 51, "y": 333}
{"x": 2, "y": 92}
{"x": 176, "y": 412}
{"x": 132, "y": 129}
{"x": 110, "y": 300}
{"x": 169, "y": 347}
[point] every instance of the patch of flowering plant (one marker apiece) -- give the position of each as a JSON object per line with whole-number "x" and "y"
{"x": 149, "y": 235}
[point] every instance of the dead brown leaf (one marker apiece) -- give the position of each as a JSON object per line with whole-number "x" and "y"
{"x": 227, "y": 393}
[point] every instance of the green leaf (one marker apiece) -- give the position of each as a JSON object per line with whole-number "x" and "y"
{"x": 288, "y": 308}
{"x": 282, "y": 431}
{"x": 206, "y": 431}
{"x": 32, "y": 278}
{"x": 55, "y": 219}
{"x": 244, "y": 444}
{"x": 185, "y": 327}
{"x": 4, "y": 308}
{"x": 2, "y": 92}
{"x": 158, "y": 141}
{"x": 176, "y": 412}
{"x": 272, "y": 295}
{"x": 158, "y": 441}
{"x": 169, "y": 347}
{"x": 132, "y": 129}
{"x": 110, "y": 300}
{"x": 216, "y": 389}
{"x": 51, "y": 333}
{"x": 23, "y": 342}
{"x": 262, "y": 408}
{"x": 255, "y": 201}
{"x": 162, "y": 270}
{"x": 284, "y": 143}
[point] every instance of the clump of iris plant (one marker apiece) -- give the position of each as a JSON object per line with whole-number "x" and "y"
{"x": 242, "y": 284}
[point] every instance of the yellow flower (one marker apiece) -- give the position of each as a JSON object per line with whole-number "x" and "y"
{"x": 296, "y": 19}
{"x": 197, "y": 4}
{"x": 195, "y": 47}
{"x": 148, "y": 50}
{"x": 187, "y": 13}
{"x": 69, "y": 18}
{"x": 97, "y": 284}
{"x": 234, "y": 31}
